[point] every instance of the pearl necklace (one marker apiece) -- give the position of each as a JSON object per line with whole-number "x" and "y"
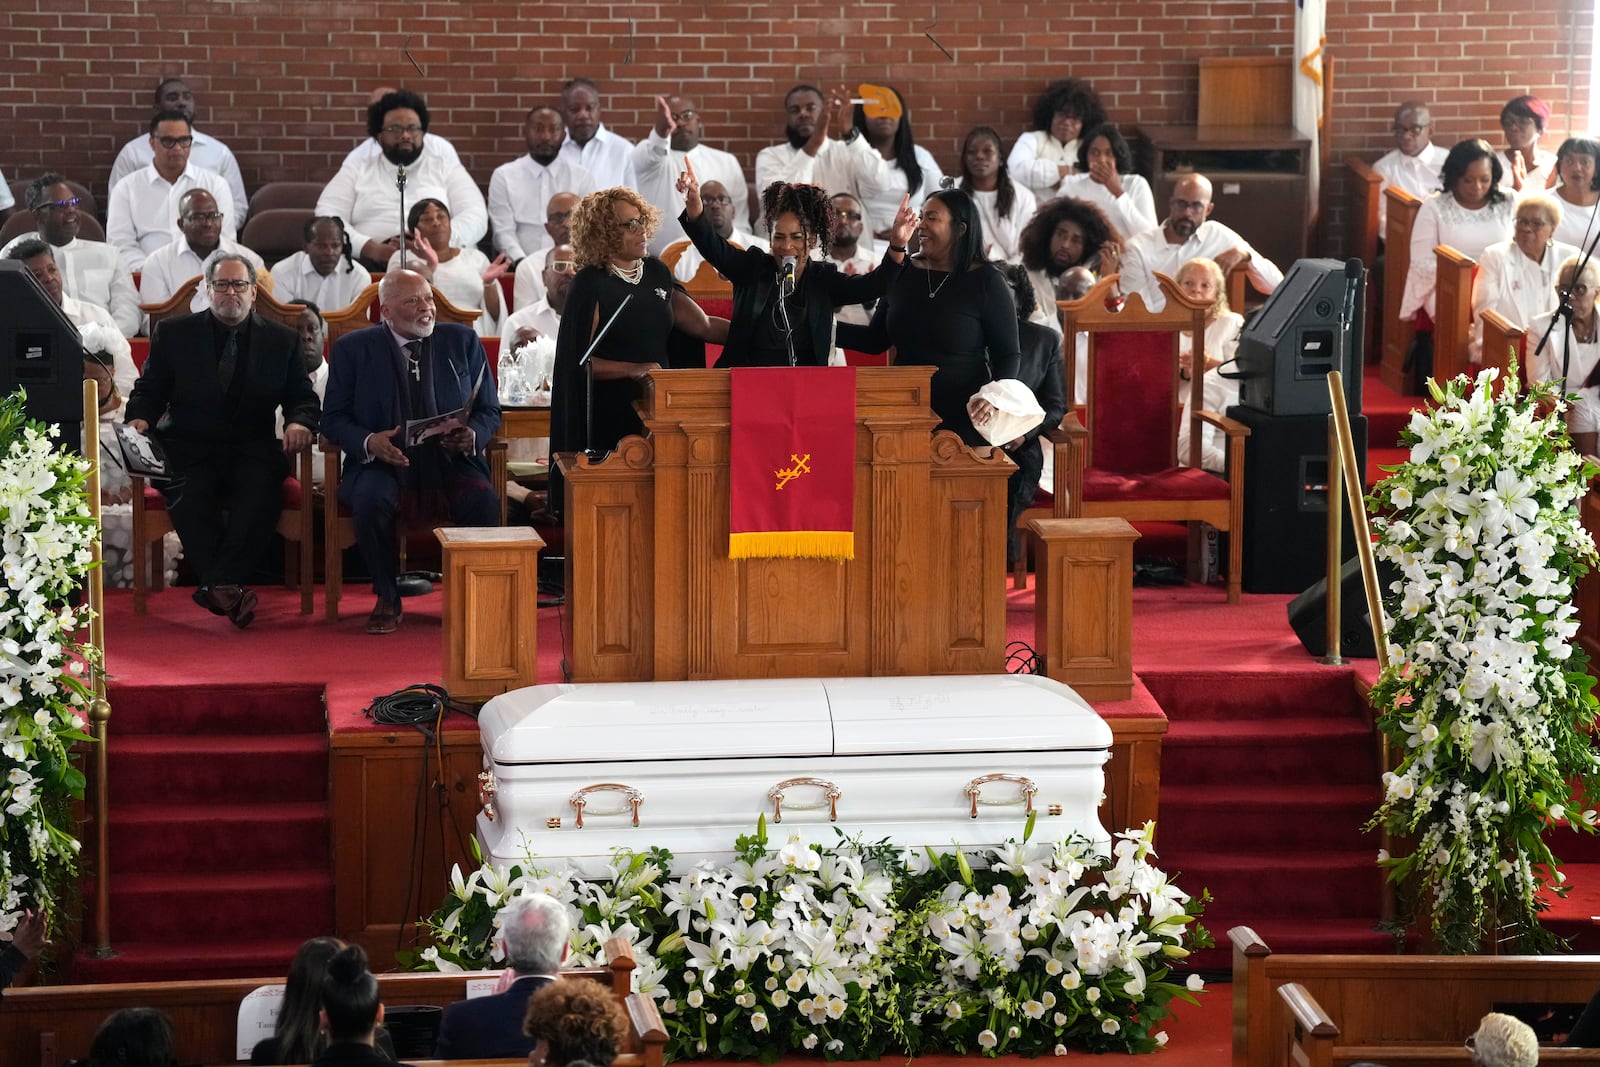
{"x": 630, "y": 276}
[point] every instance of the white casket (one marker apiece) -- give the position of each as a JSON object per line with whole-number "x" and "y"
{"x": 575, "y": 772}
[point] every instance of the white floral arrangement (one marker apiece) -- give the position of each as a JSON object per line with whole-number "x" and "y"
{"x": 46, "y": 539}
{"x": 859, "y": 950}
{"x": 1486, "y": 701}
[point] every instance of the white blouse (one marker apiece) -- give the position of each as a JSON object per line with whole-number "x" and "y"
{"x": 1441, "y": 220}
{"x": 1584, "y": 414}
{"x": 1002, "y": 235}
{"x": 1132, "y": 213}
{"x": 1220, "y": 394}
{"x": 1574, "y": 229}
{"x": 1514, "y": 286}
{"x": 1036, "y": 159}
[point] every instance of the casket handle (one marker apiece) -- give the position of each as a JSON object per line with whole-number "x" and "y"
{"x": 486, "y": 794}
{"x": 1026, "y": 785}
{"x": 631, "y": 798}
{"x": 830, "y": 792}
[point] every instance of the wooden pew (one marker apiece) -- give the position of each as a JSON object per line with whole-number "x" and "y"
{"x": 1452, "y": 319}
{"x": 1361, "y": 214}
{"x": 1501, "y": 341}
{"x": 1402, "y": 207}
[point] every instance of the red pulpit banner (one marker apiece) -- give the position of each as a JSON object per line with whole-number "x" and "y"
{"x": 792, "y": 462}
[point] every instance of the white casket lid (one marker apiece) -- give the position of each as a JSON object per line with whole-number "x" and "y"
{"x": 961, "y": 713}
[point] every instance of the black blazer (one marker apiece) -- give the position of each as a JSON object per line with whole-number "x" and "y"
{"x": 1044, "y": 371}
{"x": 490, "y": 1028}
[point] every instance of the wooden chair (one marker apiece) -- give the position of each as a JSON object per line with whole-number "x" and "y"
{"x": 1402, "y": 207}
{"x": 1452, "y": 312}
{"x": 1240, "y": 288}
{"x": 1501, "y": 341}
{"x": 363, "y": 312}
{"x": 270, "y": 307}
{"x": 706, "y": 284}
{"x": 276, "y": 233}
{"x": 173, "y": 306}
{"x": 1123, "y": 463}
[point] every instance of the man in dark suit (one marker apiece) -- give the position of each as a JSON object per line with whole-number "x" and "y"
{"x": 409, "y": 366}
{"x": 533, "y": 933}
{"x": 212, "y": 387}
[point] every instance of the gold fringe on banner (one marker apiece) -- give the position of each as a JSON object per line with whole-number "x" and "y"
{"x": 838, "y": 545}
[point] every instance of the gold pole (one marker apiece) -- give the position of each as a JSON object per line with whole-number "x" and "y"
{"x": 1358, "y": 514}
{"x": 1335, "y": 598}
{"x": 100, "y": 707}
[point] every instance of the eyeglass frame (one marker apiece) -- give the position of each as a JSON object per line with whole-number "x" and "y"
{"x": 230, "y": 285}
{"x": 60, "y": 205}
{"x": 394, "y": 129}
{"x": 186, "y": 141}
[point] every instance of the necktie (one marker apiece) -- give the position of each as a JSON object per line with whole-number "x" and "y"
{"x": 229, "y": 360}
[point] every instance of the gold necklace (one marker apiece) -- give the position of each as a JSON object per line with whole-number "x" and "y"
{"x": 933, "y": 290}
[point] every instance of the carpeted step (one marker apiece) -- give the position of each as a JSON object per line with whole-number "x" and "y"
{"x": 1188, "y": 696}
{"x": 1305, "y": 751}
{"x": 1572, "y": 846}
{"x": 218, "y": 769}
{"x": 1309, "y": 887}
{"x": 159, "y": 838}
{"x": 257, "y": 708}
{"x": 174, "y": 961}
{"x": 187, "y": 907}
{"x": 1320, "y": 936}
{"x": 1268, "y": 819}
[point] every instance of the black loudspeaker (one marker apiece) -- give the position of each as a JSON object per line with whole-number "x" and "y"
{"x": 1308, "y": 613}
{"x": 1286, "y": 501}
{"x": 39, "y": 350}
{"x": 1290, "y": 345}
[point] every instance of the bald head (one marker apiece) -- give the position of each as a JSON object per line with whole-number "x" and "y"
{"x": 557, "y": 216}
{"x": 1190, "y": 207}
{"x": 686, "y": 132}
{"x": 1411, "y": 125}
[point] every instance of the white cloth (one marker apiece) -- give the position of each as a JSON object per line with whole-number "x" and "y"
{"x": 1544, "y": 165}
{"x": 207, "y": 152}
{"x": 527, "y": 287}
{"x": 295, "y": 278}
{"x": 363, "y": 194}
{"x": 786, "y": 163}
{"x": 93, "y": 271}
{"x": 1575, "y": 229}
{"x": 175, "y": 263}
{"x": 142, "y": 214}
{"x": 1002, "y": 236}
{"x": 1044, "y": 305}
{"x": 1150, "y": 253}
{"x": 607, "y": 156}
{"x": 1584, "y": 414}
{"x": 689, "y": 263}
{"x": 432, "y": 144}
{"x": 1419, "y": 175}
{"x": 1035, "y": 161}
{"x": 1132, "y": 213}
{"x": 1220, "y": 394}
{"x": 538, "y": 315}
{"x": 319, "y": 382}
{"x": 1516, "y": 287}
{"x": 460, "y": 279}
{"x": 656, "y": 166}
{"x": 520, "y": 191}
{"x": 878, "y": 183}
{"x": 1442, "y": 221}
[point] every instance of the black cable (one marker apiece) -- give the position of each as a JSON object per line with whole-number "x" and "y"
{"x": 1022, "y": 659}
{"x": 415, "y": 705}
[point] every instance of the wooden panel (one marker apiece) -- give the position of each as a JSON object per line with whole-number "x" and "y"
{"x": 1361, "y": 215}
{"x": 1402, "y": 213}
{"x": 490, "y": 628}
{"x": 768, "y": 593}
{"x": 1452, "y": 319}
{"x": 1083, "y": 620}
{"x": 1133, "y": 774}
{"x": 1246, "y": 91}
{"x": 1501, "y": 342}
{"x": 610, "y": 549}
{"x": 968, "y": 506}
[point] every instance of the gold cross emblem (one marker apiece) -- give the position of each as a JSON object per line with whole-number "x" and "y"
{"x": 800, "y": 465}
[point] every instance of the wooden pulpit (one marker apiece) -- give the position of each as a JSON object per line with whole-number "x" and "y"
{"x": 652, "y": 594}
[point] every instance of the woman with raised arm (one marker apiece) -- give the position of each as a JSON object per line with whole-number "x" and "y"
{"x": 464, "y": 275}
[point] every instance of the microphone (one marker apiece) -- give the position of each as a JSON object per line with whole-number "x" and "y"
{"x": 786, "y": 274}
{"x": 400, "y": 178}
{"x": 1354, "y": 271}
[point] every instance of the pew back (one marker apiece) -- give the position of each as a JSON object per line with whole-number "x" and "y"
{"x": 1501, "y": 341}
{"x": 1452, "y": 320}
{"x": 1361, "y": 217}
{"x": 1402, "y": 210}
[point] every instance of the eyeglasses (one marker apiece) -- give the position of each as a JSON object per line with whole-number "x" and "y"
{"x": 1409, "y": 129}
{"x": 853, "y": 216}
{"x": 563, "y": 266}
{"x": 203, "y": 216}
{"x": 633, "y": 225}
{"x": 717, "y": 199}
{"x": 396, "y": 131}
{"x": 230, "y": 285}
{"x": 559, "y": 216}
{"x": 62, "y": 205}
{"x": 1534, "y": 224}
{"x": 1187, "y": 206}
{"x": 175, "y": 142}
{"x": 685, "y": 115}
{"x": 1579, "y": 290}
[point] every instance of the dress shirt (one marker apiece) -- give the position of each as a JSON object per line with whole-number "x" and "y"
{"x": 93, "y": 271}
{"x": 606, "y": 156}
{"x": 1035, "y": 161}
{"x": 142, "y": 214}
{"x": 1544, "y": 165}
{"x": 656, "y": 166}
{"x": 1514, "y": 286}
{"x": 1584, "y": 414}
{"x": 539, "y": 315}
{"x": 1576, "y": 228}
{"x": 786, "y": 163}
{"x": 1132, "y": 213}
{"x": 1002, "y": 236}
{"x": 1419, "y": 175}
{"x": 1442, "y": 221}
{"x": 175, "y": 263}
{"x": 690, "y": 262}
{"x": 363, "y": 194}
{"x": 527, "y": 287}
{"x": 1150, "y": 252}
{"x": 207, "y": 153}
{"x": 432, "y": 143}
{"x": 295, "y": 278}
{"x": 520, "y": 191}
{"x": 6, "y": 199}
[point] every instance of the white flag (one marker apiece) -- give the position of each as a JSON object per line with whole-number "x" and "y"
{"x": 1310, "y": 24}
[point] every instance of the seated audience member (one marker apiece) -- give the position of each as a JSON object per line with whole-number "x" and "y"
{"x": 142, "y": 212}
{"x": 133, "y": 1037}
{"x": 1065, "y": 233}
{"x": 1471, "y": 212}
{"x": 719, "y": 213}
{"x": 1503, "y": 1041}
{"x": 605, "y": 155}
{"x": 351, "y": 1012}
{"x": 528, "y": 285}
{"x": 365, "y": 195}
{"x": 199, "y": 238}
{"x": 1578, "y": 168}
{"x": 436, "y": 144}
{"x": 1004, "y": 206}
{"x": 1106, "y": 178}
{"x": 1517, "y": 278}
{"x": 92, "y": 271}
{"x": 520, "y": 191}
{"x": 659, "y": 159}
{"x": 298, "y": 1035}
{"x": 325, "y": 271}
{"x": 843, "y": 249}
{"x": 1572, "y": 356}
{"x": 27, "y": 941}
{"x": 1049, "y": 151}
{"x": 211, "y": 388}
{"x": 897, "y": 167}
{"x": 1202, "y": 281}
{"x": 542, "y": 318}
{"x": 1414, "y": 163}
{"x": 7, "y": 201}
{"x": 464, "y": 275}
{"x": 208, "y": 153}
{"x": 1190, "y": 233}
{"x": 406, "y": 367}
{"x": 573, "y": 1021}
{"x": 313, "y": 333}
{"x": 1524, "y": 166}
{"x": 1042, "y": 371}
{"x": 40, "y": 259}
{"x": 533, "y": 935}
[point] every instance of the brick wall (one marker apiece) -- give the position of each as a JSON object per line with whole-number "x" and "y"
{"x": 285, "y": 83}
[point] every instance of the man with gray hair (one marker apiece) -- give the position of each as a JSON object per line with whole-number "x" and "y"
{"x": 533, "y": 932}
{"x": 1503, "y": 1041}
{"x": 91, "y": 271}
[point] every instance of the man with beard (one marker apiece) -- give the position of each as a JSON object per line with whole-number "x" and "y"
{"x": 520, "y": 190}
{"x": 141, "y": 213}
{"x": 806, "y": 134}
{"x": 659, "y": 159}
{"x": 588, "y": 143}
{"x": 435, "y": 143}
{"x": 199, "y": 238}
{"x": 91, "y": 271}
{"x": 528, "y": 286}
{"x": 214, "y": 383}
{"x": 1189, "y": 232}
{"x": 366, "y": 195}
{"x": 719, "y": 212}
{"x": 843, "y": 248}
{"x": 207, "y": 153}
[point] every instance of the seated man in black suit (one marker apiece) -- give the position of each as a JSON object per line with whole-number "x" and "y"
{"x": 533, "y": 932}
{"x": 212, "y": 388}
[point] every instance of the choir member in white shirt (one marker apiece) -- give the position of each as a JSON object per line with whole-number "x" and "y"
{"x": 1066, "y": 233}
{"x": 436, "y": 145}
{"x": 1105, "y": 177}
{"x": 91, "y": 271}
{"x": 7, "y": 201}
{"x": 807, "y": 119}
{"x": 843, "y": 249}
{"x": 1573, "y": 352}
{"x": 1526, "y": 167}
{"x": 520, "y": 190}
{"x": 895, "y": 167}
{"x": 1517, "y": 278}
{"x": 527, "y": 286}
{"x": 1190, "y": 232}
{"x": 1471, "y": 212}
{"x": 659, "y": 159}
{"x": 542, "y": 318}
{"x": 1049, "y": 152}
{"x": 464, "y": 275}
{"x": 1004, "y": 206}
{"x": 208, "y": 153}
{"x": 199, "y": 240}
{"x": 1414, "y": 163}
{"x": 142, "y": 211}
{"x": 325, "y": 272}
{"x": 1578, "y": 166}
{"x": 366, "y": 195}
{"x": 1202, "y": 281}
{"x": 589, "y": 144}
{"x": 718, "y": 206}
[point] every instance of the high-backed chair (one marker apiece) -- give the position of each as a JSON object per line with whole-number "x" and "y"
{"x": 1122, "y": 457}
{"x": 270, "y": 307}
{"x": 173, "y": 306}
{"x": 276, "y": 233}
{"x": 1402, "y": 209}
{"x": 706, "y": 284}
{"x": 357, "y": 316}
{"x": 275, "y": 195}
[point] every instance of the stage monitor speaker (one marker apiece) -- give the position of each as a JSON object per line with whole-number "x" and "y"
{"x": 1290, "y": 345}
{"x": 1308, "y": 613}
{"x": 40, "y": 350}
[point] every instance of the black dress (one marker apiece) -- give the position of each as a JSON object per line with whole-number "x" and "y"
{"x": 1043, "y": 371}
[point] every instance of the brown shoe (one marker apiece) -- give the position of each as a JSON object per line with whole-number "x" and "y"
{"x": 234, "y": 601}
{"x": 385, "y": 617}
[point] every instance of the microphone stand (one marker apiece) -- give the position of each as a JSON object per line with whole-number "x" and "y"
{"x": 1563, "y": 311}
{"x": 400, "y": 184}
{"x": 409, "y": 583}
{"x": 785, "y": 280}
{"x": 587, "y": 363}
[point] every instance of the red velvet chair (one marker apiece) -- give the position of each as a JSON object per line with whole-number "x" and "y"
{"x": 1121, "y": 459}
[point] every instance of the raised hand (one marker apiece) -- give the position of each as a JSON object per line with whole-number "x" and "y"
{"x": 905, "y": 223}
{"x": 500, "y": 265}
{"x": 665, "y": 123}
{"x": 429, "y": 256}
{"x": 689, "y": 186}
{"x": 1104, "y": 172}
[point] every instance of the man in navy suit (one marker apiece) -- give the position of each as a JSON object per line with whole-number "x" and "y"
{"x": 533, "y": 933}
{"x": 409, "y": 366}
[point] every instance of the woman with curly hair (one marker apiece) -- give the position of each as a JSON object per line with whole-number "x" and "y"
{"x": 1049, "y": 151}
{"x": 575, "y": 1020}
{"x": 1066, "y": 233}
{"x": 1106, "y": 179}
{"x": 1004, "y": 206}
{"x": 783, "y": 300}
{"x": 1469, "y": 214}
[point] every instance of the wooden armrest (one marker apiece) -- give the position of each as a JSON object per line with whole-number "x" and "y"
{"x": 1072, "y": 429}
{"x": 1228, "y": 426}
{"x": 1362, "y": 169}
{"x": 1059, "y": 434}
{"x": 1306, "y": 1011}
{"x": 1248, "y": 941}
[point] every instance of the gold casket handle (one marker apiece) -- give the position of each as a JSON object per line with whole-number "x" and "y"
{"x": 486, "y": 793}
{"x": 830, "y": 793}
{"x": 1026, "y": 786}
{"x": 631, "y": 798}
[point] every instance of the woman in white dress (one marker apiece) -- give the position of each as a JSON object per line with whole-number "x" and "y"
{"x": 1469, "y": 214}
{"x": 1517, "y": 278}
{"x": 1578, "y": 165}
{"x": 1049, "y": 151}
{"x": 1105, "y": 177}
{"x": 1527, "y": 167}
{"x": 1582, "y": 339}
{"x": 1201, "y": 281}
{"x": 906, "y": 169}
{"x": 464, "y": 275}
{"x": 1004, "y": 206}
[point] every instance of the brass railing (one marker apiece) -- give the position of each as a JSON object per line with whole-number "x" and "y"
{"x": 100, "y": 707}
